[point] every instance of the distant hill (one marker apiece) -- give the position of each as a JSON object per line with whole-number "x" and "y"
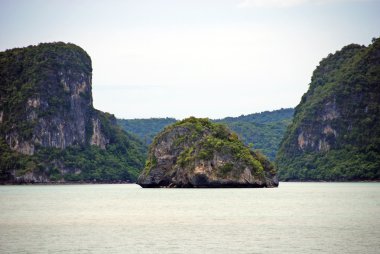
{"x": 335, "y": 134}
{"x": 145, "y": 129}
{"x": 264, "y": 117}
{"x": 264, "y": 130}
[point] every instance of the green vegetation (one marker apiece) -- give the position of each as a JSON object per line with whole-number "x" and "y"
{"x": 264, "y": 130}
{"x": 120, "y": 162}
{"x": 145, "y": 129}
{"x": 39, "y": 88}
{"x": 226, "y": 168}
{"x": 335, "y": 134}
{"x": 204, "y": 139}
{"x": 31, "y": 73}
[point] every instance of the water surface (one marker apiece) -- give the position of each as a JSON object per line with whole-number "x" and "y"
{"x": 294, "y": 218}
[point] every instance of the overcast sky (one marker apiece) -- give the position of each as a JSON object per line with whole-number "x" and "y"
{"x": 206, "y": 58}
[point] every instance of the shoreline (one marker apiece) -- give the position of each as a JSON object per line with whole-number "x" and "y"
{"x": 358, "y": 181}
{"x": 64, "y": 183}
{"x": 124, "y": 182}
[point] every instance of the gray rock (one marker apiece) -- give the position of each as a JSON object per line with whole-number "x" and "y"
{"x": 198, "y": 153}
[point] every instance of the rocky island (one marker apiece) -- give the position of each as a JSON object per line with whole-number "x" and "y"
{"x": 49, "y": 129}
{"x": 198, "y": 153}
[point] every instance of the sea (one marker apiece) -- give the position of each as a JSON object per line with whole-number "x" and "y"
{"x": 125, "y": 218}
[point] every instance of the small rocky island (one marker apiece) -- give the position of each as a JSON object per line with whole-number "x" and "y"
{"x": 198, "y": 153}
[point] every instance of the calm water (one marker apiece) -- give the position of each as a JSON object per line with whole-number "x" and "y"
{"x": 295, "y": 218}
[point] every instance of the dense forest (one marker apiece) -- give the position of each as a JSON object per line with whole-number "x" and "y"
{"x": 261, "y": 131}
{"x": 335, "y": 134}
{"x": 145, "y": 129}
{"x": 121, "y": 161}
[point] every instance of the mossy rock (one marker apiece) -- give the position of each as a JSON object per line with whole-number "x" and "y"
{"x": 198, "y": 153}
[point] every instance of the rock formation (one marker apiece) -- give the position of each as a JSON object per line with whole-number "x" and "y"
{"x": 197, "y": 153}
{"x": 46, "y": 105}
{"x": 335, "y": 134}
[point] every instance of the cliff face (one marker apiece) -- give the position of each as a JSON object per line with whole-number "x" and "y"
{"x": 198, "y": 153}
{"x": 46, "y": 103}
{"x": 335, "y": 134}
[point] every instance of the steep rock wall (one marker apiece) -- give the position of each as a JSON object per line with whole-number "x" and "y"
{"x": 336, "y": 127}
{"x": 46, "y": 105}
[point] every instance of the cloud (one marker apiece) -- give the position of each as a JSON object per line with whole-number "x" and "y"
{"x": 270, "y": 3}
{"x": 286, "y": 3}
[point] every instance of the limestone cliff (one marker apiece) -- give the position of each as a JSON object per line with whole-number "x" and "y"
{"x": 46, "y": 103}
{"x": 197, "y": 153}
{"x": 335, "y": 134}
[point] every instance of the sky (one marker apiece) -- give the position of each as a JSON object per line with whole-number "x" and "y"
{"x": 202, "y": 58}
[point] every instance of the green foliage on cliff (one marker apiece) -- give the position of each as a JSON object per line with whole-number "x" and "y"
{"x": 264, "y": 130}
{"x": 335, "y": 134}
{"x": 46, "y": 103}
{"x": 31, "y": 72}
{"x": 121, "y": 161}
